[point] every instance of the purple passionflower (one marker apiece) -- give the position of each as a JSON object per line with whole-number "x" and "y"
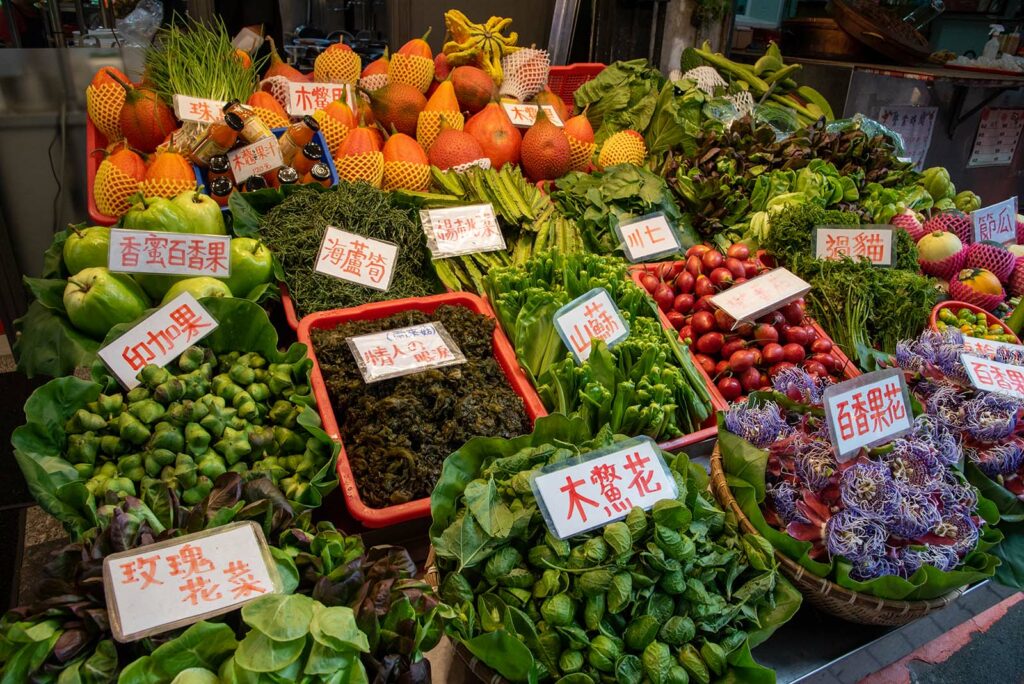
{"x": 869, "y": 489}
{"x": 991, "y": 417}
{"x": 784, "y": 497}
{"x": 947, "y": 405}
{"x": 815, "y": 463}
{"x": 958, "y": 530}
{"x": 854, "y": 536}
{"x": 912, "y": 558}
{"x": 916, "y": 513}
{"x": 913, "y": 462}
{"x": 1014, "y": 357}
{"x": 790, "y": 381}
{"x": 907, "y": 357}
{"x": 759, "y": 425}
{"x": 945, "y": 444}
{"x": 1003, "y": 459}
{"x": 956, "y": 493}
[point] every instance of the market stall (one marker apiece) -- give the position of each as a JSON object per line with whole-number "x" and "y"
{"x": 593, "y": 372}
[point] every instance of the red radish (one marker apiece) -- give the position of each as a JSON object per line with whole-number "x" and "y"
{"x": 703, "y": 287}
{"x": 664, "y": 296}
{"x": 741, "y": 360}
{"x": 732, "y": 346}
{"x": 793, "y": 312}
{"x": 706, "y": 362}
{"x": 712, "y": 259}
{"x": 650, "y": 282}
{"x": 745, "y": 330}
{"x": 812, "y": 334}
{"x": 704, "y": 304}
{"x": 829, "y": 362}
{"x": 765, "y": 333}
{"x": 796, "y": 335}
{"x": 720, "y": 277}
{"x": 693, "y": 266}
{"x": 772, "y": 353}
{"x": 751, "y": 380}
{"x": 723, "y": 320}
{"x": 697, "y": 250}
{"x": 815, "y": 368}
{"x": 710, "y": 343}
{"x": 758, "y": 357}
{"x": 794, "y": 353}
{"x": 773, "y": 318}
{"x": 738, "y": 251}
{"x": 676, "y": 319}
{"x": 730, "y": 388}
{"x": 685, "y": 282}
{"x": 735, "y": 267}
{"x": 781, "y": 366}
{"x": 686, "y": 333}
{"x": 821, "y": 346}
{"x": 677, "y": 267}
{"x": 683, "y": 303}
{"x": 751, "y": 269}
{"x": 721, "y": 367}
{"x": 665, "y": 271}
{"x": 702, "y": 322}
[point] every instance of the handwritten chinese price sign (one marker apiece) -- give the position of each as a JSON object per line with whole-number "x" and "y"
{"x": 648, "y": 237}
{"x": 762, "y": 294}
{"x": 133, "y": 251}
{"x": 592, "y": 316}
{"x": 602, "y": 486}
{"x": 462, "y": 230}
{"x": 180, "y": 581}
{"x": 873, "y": 243}
{"x": 255, "y": 159}
{"x": 524, "y": 115}
{"x": 976, "y": 345}
{"x": 197, "y": 109}
{"x": 997, "y": 222}
{"x": 404, "y": 351}
{"x": 993, "y": 376}
{"x": 306, "y": 98}
{"x": 158, "y": 339}
{"x": 867, "y": 411}
{"x": 357, "y": 259}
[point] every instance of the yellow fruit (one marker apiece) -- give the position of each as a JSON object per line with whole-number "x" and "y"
{"x": 624, "y": 147}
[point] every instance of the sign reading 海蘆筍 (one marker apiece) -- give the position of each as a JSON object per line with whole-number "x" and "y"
{"x": 994, "y": 376}
{"x": 456, "y": 231}
{"x": 155, "y": 588}
{"x": 997, "y": 222}
{"x": 256, "y": 159}
{"x": 403, "y": 351}
{"x": 868, "y": 410}
{"x": 648, "y": 237}
{"x": 602, "y": 486}
{"x": 873, "y": 243}
{"x": 187, "y": 254}
{"x": 357, "y": 259}
{"x": 591, "y": 316}
{"x": 763, "y": 294}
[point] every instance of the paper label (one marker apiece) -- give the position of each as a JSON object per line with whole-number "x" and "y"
{"x": 760, "y": 295}
{"x": 993, "y": 376}
{"x": 135, "y": 251}
{"x": 592, "y": 316}
{"x": 524, "y": 115}
{"x": 255, "y": 159}
{"x": 306, "y": 98}
{"x": 999, "y": 133}
{"x": 159, "y": 587}
{"x": 198, "y": 109}
{"x": 602, "y": 486}
{"x": 357, "y": 259}
{"x": 403, "y": 351}
{"x": 976, "y": 345}
{"x": 869, "y": 410}
{"x": 873, "y": 243}
{"x": 648, "y": 237}
{"x": 997, "y": 222}
{"x": 462, "y": 230}
{"x": 160, "y": 338}
{"x": 915, "y": 126}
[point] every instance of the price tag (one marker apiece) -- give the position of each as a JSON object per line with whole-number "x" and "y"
{"x": 997, "y": 222}
{"x": 976, "y": 345}
{"x": 593, "y": 316}
{"x": 255, "y": 159}
{"x": 357, "y": 259}
{"x": 163, "y": 586}
{"x": 869, "y": 410}
{"x": 648, "y": 237}
{"x": 760, "y": 295}
{"x": 993, "y": 376}
{"x": 135, "y": 251}
{"x": 158, "y": 339}
{"x": 602, "y": 486}
{"x": 525, "y": 115}
{"x": 872, "y": 242}
{"x": 404, "y": 351}
{"x": 306, "y": 98}
{"x": 462, "y": 230}
{"x": 198, "y": 109}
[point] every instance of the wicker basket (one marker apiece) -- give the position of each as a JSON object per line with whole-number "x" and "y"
{"x": 823, "y": 593}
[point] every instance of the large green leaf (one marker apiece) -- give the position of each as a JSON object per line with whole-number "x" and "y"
{"x": 742, "y": 459}
{"x": 1011, "y": 509}
{"x": 506, "y": 654}
{"x": 282, "y": 617}
{"x": 1011, "y": 553}
{"x": 47, "y": 343}
{"x": 48, "y": 291}
{"x": 53, "y": 257}
{"x": 203, "y": 645}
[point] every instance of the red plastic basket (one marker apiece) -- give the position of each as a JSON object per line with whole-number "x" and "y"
{"x": 564, "y": 80}
{"x": 954, "y": 305}
{"x": 328, "y": 320}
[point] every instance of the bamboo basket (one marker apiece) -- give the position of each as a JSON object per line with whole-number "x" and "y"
{"x": 822, "y": 593}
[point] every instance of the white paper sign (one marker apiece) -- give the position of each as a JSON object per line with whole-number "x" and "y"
{"x": 997, "y": 222}
{"x": 160, "y": 338}
{"x": 976, "y": 345}
{"x": 525, "y": 115}
{"x": 602, "y": 486}
{"x": 998, "y": 134}
{"x": 198, "y": 109}
{"x": 756, "y": 297}
{"x": 306, "y": 98}
{"x": 873, "y": 243}
{"x": 403, "y": 351}
{"x": 993, "y": 376}
{"x": 867, "y": 411}
{"x": 462, "y": 230}
{"x": 357, "y": 259}
{"x": 915, "y": 126}
{"x": 156, "y": 588}
{"x": 592, "y": 316}
{"x": 255, "y": 159}
{"x": 136, "y": 251}
{"x": 648, "y": 237}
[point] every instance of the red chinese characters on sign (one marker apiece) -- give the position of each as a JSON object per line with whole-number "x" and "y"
{"x": 525, "y": 115}
{"x": 197, "y": 109}
{"x": 993, "y": 376}
{"x": 873, "y": 244}
{"x": 404, "y": 350}
{"x": 997, "y": 222}
{"x": 649, "y": 237}
{"x": 169, "y": 253}
{"x": 306, "y": 98}
{"x": 255, "y": 159}
{"x": 601, "y": 489}
{"x": 185, "y": 323}
{"x": 867, "y": 411}
{"x": 591, "y": 317}
{"x": 357, "y": 259}
{"x": 462, "y": 230}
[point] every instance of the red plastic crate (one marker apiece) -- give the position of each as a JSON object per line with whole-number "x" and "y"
{"x": 849, "y": 369}
{"x": 564, "y": 80}
{"x": 328, "y": 320}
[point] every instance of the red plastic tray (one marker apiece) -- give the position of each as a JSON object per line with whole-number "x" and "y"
{"x": 328, "y": 320}
{"x": 564, "y": 80}
{"x": 954, "y": 305}
{"x": 849, "y": 369}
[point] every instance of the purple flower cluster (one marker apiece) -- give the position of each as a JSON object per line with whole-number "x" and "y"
{"x": 933, "y": 352}
{"x": 759, "y": 425}
{"x": 991, "y": 417}
{"x": 1001, "y": 460}
{"x": 797, "y": 381}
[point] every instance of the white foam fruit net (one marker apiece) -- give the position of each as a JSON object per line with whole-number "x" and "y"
{"x": 706, "y": 77}
{"x": 526, "y": 73}
{"x": 743, "y": 102}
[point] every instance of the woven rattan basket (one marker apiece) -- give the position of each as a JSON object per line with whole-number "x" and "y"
{"x": 825, "y": 594}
